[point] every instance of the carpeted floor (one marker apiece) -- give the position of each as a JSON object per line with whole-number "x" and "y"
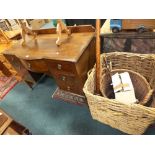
{"x": 43, "y": 115}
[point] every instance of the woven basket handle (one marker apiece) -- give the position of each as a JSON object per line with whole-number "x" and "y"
{"x": 152, "y": 82}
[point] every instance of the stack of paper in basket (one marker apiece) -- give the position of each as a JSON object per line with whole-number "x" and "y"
{"x": 123, "y": 88}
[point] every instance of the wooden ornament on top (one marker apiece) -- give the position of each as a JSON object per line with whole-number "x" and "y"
{"x": 26, "y": 31}
{"x": 61, "y": 27}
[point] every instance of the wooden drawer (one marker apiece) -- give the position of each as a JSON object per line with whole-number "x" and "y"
{"x": 61, "y": 67}
{"x": 66, "y": 79}
{"x": 68, "y": 83}
{"x": 35, "y": 65}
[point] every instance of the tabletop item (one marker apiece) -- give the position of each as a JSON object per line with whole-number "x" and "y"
{"x": 61, "y": 27}
{"x": 26, "y": 31}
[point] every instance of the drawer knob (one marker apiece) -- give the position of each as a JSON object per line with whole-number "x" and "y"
{"x": 29, "y": 65}
{"x": 12, "y": 58}
{"x": 68, "y": 88}
{"x": 59, "y": 66}
{"x": 63, "y": 78}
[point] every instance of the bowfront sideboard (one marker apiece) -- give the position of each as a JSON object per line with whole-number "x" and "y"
{"x": 68, "y": 63}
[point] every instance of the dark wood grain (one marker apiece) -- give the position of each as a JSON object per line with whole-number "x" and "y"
{"x": 46, "y": 48}
{"x": 5, "y": 70}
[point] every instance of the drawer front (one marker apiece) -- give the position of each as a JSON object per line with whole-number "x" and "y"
{"x": 68, "y": 83}
{"x": 66, "y": 79}
{"x": 35, "y": 65}
{"x": 61, "y": 67}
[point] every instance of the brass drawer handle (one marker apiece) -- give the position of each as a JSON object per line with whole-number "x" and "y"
{"x": 59, "y": 66}
{"x": 63, "y": 78}
{"x": 68, "y": 88}
{"x": 29, "y": 65}
{"x": 12, "y": 58}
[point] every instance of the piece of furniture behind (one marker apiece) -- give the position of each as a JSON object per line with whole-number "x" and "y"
{"x": 6, "y": 68}
{"x": 127, "y": 41}
{"x": 137, "y": 43}
{"x": 3, "y": 25}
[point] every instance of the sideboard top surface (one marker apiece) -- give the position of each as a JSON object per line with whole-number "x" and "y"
{"x": 45, "y": 47}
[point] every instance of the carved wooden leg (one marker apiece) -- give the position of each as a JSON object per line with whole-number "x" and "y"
{"x": 31, "y": 33}
{"x": 64, "y": 27}
{"x": 68, "y": 32}
{"x": 23, "y": 36}
{"x": 58, "y": 42}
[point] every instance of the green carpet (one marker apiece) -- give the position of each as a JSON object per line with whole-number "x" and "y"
{"x": 43, "y": 115}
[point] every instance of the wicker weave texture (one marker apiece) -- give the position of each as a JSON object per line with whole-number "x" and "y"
{"x": 129, "y": 118}
{"x": 143, "y": 91}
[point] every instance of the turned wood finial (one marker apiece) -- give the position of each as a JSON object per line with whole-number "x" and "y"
{"x": 61, "y": 27}
{"x": 26, "y": 31}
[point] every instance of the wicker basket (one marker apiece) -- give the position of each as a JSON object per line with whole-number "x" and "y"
{"x": 143, "y": 91}
{"x": 129, "y": 118}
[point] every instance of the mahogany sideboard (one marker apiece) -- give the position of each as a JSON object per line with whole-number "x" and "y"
{"x": 68, "y": 63}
